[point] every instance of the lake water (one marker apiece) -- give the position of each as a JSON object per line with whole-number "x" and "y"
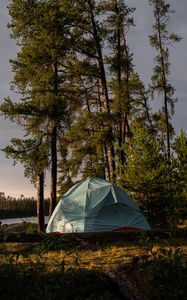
{"x": 20, "y": 220}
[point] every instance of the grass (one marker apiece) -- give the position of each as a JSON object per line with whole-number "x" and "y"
{"x": 66, "y": 270}
{"x": 90, "y": 257}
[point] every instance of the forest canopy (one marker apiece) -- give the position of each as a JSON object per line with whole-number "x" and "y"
{"x": 85, "y": 110}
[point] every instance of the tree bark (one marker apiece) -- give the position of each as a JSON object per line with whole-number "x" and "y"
{"x": 119, "y": 75}
{"x": 164, "y": 86}
{"x": 110, "y": 147}
{"x": 125, "y": 280}
{"x": 100, "y": 58}
{"x": 40, "y": 202}
{"x": 53, "y": 190}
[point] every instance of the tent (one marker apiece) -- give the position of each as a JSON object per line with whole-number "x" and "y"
{"x": 95, "y": 205}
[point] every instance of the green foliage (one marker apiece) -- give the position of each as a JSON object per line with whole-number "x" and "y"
{"x": 35, "y": 272}
{"x": 32, "y": 153}
{"x": 168, "y": 272}
{"x": 31, "y": 228}
{"x": 32, "y": 280}
{"x": 53, "y": 242}
{"x": 152, "y": 179}
{"x": 160, "y": 40}
{"x": 44, "y": 108}
{"x": 23, "y": 207}
{"x": 83, "y": 105}
{"x": 31, "y": 284}
{"x": 180, "y": 147}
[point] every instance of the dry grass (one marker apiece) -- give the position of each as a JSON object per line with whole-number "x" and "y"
{"x": 86, "y": 256}
{"x": 83, "y": 262}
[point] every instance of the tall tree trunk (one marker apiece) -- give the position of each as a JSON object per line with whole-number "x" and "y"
{"x": 164, "y": 90}
{"x": 147, "y": 110}
{"x": 110, "y": 150}
{"x": 106, "y": 173}
{"x": 119, "y": 74}
{"x": 40, "y": 201}
{"x": 126, "y": 126}
{"x": 100, "y": 59}
{"x": 53, "y": 190}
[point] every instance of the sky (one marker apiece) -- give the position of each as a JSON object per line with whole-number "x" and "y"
{"x": 12, "y": 180}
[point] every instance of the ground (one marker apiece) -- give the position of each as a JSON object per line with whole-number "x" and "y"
{"x": 66, "y": 269}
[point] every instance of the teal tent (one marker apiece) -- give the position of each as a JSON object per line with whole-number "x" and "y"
{"x": 95, "y": 205}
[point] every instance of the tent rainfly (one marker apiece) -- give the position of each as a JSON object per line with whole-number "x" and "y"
{"x": 95, "y": 205}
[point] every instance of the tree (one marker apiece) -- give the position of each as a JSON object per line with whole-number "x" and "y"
{"x": 80, "y": 96}
{"x": 149, "y": 178}
{"x": 89, "y": 67}
{"x": 160, "y": 40}
{"x": 92, "y": 35}
{"x": 33, "y": 154}
{"x": 119, "y": 62}
{"x": 180, "y": 148}
{"x": 41, "y": 30}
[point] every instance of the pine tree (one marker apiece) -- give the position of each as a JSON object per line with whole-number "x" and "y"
{"x": 33, "y": 155}
{"x": 89, "y": 66}
{"x": 149, "y": 177}
{"x": 42, "y": 32}
{"x": 160, "y": 40}
{"x": 180, "y": 148}
{"x": 119, "y": 63}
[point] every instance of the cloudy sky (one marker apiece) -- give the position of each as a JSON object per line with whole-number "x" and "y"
{"x": 12, "y": 180}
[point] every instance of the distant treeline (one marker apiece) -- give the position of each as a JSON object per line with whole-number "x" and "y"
{"x": 22, "y": 207}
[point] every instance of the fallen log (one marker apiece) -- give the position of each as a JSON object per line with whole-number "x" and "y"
{"x": 125, "y": 281}
{"x": 94, "y": 237}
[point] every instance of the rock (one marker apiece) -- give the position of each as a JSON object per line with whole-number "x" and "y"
{"x": 17, "y": 227}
